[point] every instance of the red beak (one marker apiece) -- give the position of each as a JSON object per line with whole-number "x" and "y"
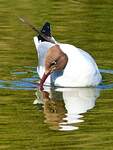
{"x": 44, "y": 77}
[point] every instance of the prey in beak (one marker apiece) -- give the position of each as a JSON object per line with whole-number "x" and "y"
{"x": 55, "y": 60}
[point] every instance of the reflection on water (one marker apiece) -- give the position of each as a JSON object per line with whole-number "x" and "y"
{"x": 64, "y": 108}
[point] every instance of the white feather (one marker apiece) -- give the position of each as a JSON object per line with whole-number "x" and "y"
{"x": 80, "y": 71}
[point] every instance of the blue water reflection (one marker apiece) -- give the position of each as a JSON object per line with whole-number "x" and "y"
{"x": 28, "y": 79}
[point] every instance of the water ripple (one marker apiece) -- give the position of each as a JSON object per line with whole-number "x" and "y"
{"x": 27, "y": 79}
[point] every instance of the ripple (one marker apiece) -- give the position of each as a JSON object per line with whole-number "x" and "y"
{"x": 107, "y": 82}
{"x": 23, "y": 79}
{"x": 106, "y": 71}
{"x": 26, "y": 78}
{"x": 70, "y": 114}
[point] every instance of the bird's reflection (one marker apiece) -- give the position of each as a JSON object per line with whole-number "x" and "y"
{"x": 64, "y": 107}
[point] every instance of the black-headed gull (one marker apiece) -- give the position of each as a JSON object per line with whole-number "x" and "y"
{"x": 64, "y": 65}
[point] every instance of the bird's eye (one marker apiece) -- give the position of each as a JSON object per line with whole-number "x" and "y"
{"x": 53, "y": 63}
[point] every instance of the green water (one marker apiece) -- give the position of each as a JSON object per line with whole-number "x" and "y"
{"x": 25, "y": 126}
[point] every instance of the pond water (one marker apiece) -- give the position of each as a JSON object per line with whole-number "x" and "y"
{"x": 59, "y": 118}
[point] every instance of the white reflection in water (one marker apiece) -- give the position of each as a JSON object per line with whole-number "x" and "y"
{"x": 64, "y": 107}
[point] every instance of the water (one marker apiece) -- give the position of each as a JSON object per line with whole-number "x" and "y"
{"x": 32, "y": 120}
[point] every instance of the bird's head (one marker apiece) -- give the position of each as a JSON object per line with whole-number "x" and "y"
{"x": 55, "y": 60}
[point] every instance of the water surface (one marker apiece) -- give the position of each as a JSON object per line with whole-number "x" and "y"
{"x": 60, "y": 118}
